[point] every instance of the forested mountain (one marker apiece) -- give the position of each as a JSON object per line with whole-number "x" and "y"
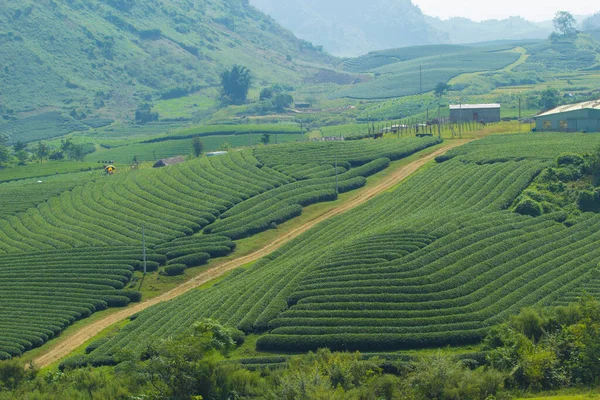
{"x": 106, "y": 56}
{"x": 354, "y": 27}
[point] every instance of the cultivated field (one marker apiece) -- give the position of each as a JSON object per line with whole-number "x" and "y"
{"x": 78, "y": 249}
{"x": 436, "y": 261}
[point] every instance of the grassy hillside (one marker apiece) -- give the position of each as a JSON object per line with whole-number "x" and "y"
{"x": 83, "y": 59}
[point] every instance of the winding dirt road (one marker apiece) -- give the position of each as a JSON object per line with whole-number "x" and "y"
{"x": 89, "y": 331}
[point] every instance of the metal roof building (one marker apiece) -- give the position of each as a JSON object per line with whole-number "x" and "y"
{"x": 580, "y": 117}
{"x": 475, "y": 112}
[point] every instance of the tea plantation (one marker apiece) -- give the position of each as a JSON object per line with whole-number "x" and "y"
{"x": 74, "y": 252}
{"x": 435, "y": 262}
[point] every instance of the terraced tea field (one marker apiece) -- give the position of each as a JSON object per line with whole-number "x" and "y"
{"x": 397, "y": 72}
{"x": 436, "y": 261}
{"x": 78, "y": 249}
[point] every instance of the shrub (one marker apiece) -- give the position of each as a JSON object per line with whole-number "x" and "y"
{"x": 529, "y": 207}
{"x": 117, "y": 301}
{"x": 570, "y": 159}
{"x": 133, "y": 295}
{"x": 75, "y": 362}
{"x": 589, "y": 201}
{"x": 173, "y": 269}
{"x": 191, "y": 260}
{"x": 95, "y": 344}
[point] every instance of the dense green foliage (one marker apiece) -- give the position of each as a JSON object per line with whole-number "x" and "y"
{"x": 79, "y": 245}
{"x": 437, "y": 261}
{"x": 548, "y": 348}
{"x": 192, "y": 365}
{"x": 536, "y": 349}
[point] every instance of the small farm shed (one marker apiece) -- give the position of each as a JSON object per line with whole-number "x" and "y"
{"x": 580, "y": 117}
{"x": 165, "y": 162}
{"x": 475, "y": 112}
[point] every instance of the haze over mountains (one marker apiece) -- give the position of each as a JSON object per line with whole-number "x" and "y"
{"x": 355, "y": 27}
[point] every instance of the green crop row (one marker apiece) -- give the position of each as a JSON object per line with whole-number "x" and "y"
{"x": 75, "y": 253}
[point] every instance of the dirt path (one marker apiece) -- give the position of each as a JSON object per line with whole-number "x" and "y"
{"x": 89, "y": 331}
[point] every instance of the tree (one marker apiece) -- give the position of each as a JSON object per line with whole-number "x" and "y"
{"x": 144, "y": 114}
{"x": 265, "y": 138}
{"x": 440, "y": 89}
{"x": 23, "y": 156}
{"x": 564, "y": 23}
{"x": 282, "y": 100}
{"x": 235, "y": 85}
{"x": 266, "y": 94}
{"x": 73, "y": 151}
{"x": 197, "y": 146}
{"x": 189, "y": 366}
{"x": 19, "y": 146}
{"x": 550, "y": 98}
{"x": 4, "y": 154}
{"x": 42, "y": 151}
{"x": 592, "y": 23}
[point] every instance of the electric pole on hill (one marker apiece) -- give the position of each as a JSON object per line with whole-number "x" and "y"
{"x": 144, "y": 246}
{"x": 337, "y": 189}
{"x": 519, "y": 112}
{"x": 420, "y": 79}
{"x": 439, "y": 122}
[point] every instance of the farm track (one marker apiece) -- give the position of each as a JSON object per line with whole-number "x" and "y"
{"x": 89, "y": 331}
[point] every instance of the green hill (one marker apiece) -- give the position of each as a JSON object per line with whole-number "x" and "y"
{"x": 79, "y": 59}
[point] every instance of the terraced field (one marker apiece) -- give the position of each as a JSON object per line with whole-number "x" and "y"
{"x": 436, "y": 261}
{"x": 397, "y": 72}
{"x": 78, "y": 249}
{"x": 20, "y": 195}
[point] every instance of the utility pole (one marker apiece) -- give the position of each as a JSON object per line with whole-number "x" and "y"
{"x": 439, "y": 122}
{"x": 519, "y": 112}
{"x": 420, "y": 79}
{"x": 460, "y": 119}
{"x": 144, "y": 246}
{"x": 301, "y": 127}
{"x": 337, "y": 188}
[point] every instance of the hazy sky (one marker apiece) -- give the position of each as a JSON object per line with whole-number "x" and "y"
{"x": 478, "y": 10}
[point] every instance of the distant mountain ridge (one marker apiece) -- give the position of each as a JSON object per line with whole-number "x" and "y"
{"x": 355, "y": 27}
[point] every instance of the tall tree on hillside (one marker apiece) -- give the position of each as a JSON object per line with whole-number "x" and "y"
{"x": 4, "y": 154}
{"x": 440, "y": 89}
{"x": 235, "y": 84}
{"x": 564, "y": 23}
{"x": 550, "y": 98}
{"x": 42, "y": 151}
{"x": 197, "y": 146}
{"x": 592, "y": 23}
{"x": 265, "y": 138}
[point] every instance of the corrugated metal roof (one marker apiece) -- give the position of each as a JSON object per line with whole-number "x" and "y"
{"x": 473, "y": 106}
{"x": 593, "y": 105}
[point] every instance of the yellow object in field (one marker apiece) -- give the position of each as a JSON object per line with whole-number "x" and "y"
{"x": 110, "y": 169}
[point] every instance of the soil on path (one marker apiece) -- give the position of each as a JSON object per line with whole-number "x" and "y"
{"x": 89, "y": 331}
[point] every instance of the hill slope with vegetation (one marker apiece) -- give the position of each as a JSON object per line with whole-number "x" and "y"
{"x": 437, "y": 261}
{"x": 81, "y": 60}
